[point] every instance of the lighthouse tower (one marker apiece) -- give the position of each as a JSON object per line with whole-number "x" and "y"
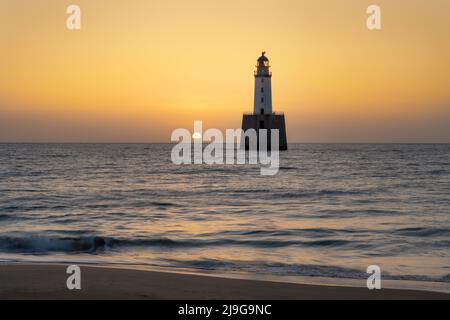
{"x": 263, "y": 116}
{"x": 263, "y": 87}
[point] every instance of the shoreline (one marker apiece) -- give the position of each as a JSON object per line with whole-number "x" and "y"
{"x": 48, "y": 282}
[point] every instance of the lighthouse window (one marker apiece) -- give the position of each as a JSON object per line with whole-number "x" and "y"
{"x": 262, "y": 80}
{"x": 262, "y": 100}
{"x": 262, "y": 90}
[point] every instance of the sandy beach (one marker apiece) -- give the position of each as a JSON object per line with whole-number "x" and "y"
{"x": 48, "y": 282}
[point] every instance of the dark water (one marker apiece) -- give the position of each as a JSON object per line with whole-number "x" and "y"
{"x": 332, "y": 211}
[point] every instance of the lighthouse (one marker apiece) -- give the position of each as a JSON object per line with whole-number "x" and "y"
{"x": 263, "y": 116}
{"x": 263, "y": 87}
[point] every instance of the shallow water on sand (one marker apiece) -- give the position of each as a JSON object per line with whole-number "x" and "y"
{"x": 332, "y": 211}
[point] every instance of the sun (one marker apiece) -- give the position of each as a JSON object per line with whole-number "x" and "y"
{"x": 197, "y": 136}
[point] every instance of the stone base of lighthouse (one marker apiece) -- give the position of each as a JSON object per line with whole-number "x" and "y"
{"x": 269, "y": 122}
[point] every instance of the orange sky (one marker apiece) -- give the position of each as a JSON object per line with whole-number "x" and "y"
{"x": 139, "y": 69}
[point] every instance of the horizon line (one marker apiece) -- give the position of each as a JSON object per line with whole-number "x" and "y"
{"x": 205, "y": 142}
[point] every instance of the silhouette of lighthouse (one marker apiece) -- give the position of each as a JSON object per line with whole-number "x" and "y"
{"x": 263, "y": 87}
{"x": 263, "y": 117}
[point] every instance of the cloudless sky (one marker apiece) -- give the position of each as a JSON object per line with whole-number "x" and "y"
{"x": 139, "y": 69}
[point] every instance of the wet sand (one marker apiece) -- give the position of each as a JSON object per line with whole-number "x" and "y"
{"x": 48, "y": 282}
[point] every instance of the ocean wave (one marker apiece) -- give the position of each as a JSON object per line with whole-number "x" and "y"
{"x": 163, "y": 204}
{"x": 286, "y": 168}
{"x": 291, "y": 232}
{"x": 15, "y": 217}
{"x": 251, "y": 190}
{"x": 438, "y": 172}
{"x": 423, "y": 232}
{"x": 319, "y": 193}
{"x": 350, "y": 213}
{"x": 89, "y": 244}
{"x": 274, "y": 268}
{"x": 92, "y": 244}
{"x": 30, "y": 208}
{"x": 47, "y": 245}
{"x": 284, "y": 269}
{"x": 5, "y": 217}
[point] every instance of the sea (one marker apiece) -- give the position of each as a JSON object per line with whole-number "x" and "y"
{"x": 330, "y": 212}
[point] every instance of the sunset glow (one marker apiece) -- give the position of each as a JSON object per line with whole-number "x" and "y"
{"x": 137, "y": 71}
